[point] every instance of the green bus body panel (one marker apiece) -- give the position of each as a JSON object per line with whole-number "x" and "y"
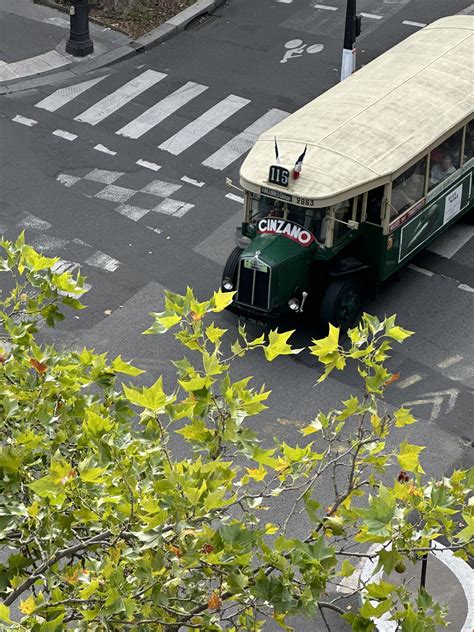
{"x": 414, "y": 234}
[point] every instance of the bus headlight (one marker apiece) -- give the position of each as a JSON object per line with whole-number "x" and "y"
{"x": 294, "y": 304}
{"x": 227, "y": 284}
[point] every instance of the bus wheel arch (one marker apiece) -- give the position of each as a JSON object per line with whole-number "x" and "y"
{"x": 230, "y": 268}
{"x": 342, "y": 301}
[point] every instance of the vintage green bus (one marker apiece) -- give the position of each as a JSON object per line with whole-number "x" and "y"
{"x": 342, "y": 193}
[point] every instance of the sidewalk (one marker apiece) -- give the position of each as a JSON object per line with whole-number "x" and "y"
{"x": 33, "y": 43}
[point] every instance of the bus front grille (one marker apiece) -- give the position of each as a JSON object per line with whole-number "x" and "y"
{"x": 254, "y": 286}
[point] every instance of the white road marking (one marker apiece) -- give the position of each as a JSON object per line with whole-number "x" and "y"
{"x": 285, "y": 1}
{"x": 105, "y": 150}
{"x": 67, "y": 180}
{"x": 193, "y": 182}
{"x": 64, "y": 95}
{"x": 465, "y": 287}
{"x": 161, "y": 110}
{"x": 48, "y": 242}
{"x": 148, "y": 165}
{"x": 120, "y": 97}
{"x": 203, "y": 124}
{"x": 452, "y": 241}
{"x": 161, "y": 188}
{"x": 412, "y": 266}
{"x": 63, "y": 134}
{"x": 240, "y": 144}
{"x": 436, "y": 400}
{"x": 65, "y": 266}
{"x": 235, "y": 198}
{"x": 467, "y": 11}
{"x": 115, "y": 194}
{"x": 413, "y": 379}
{"x": 325, "y": 7}
{"x": 173, "y": 207}
{"x": 132, "y": 212}
{"x": 33, "y": 223}
{"x": 371, "y": 16}
{"x": 24, "y": 121}
{"x": 103, "y": 175}
{"x": 418, "y": 24}
{"x": 102, "y": 261}
{"x": 158, "y": 231}
{"x": 450, "y": 361}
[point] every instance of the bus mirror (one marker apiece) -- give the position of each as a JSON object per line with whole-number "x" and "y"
{"x": 242, "y": 241}
{"x": 231, "y": 185}
{"x": 353, "y": 225}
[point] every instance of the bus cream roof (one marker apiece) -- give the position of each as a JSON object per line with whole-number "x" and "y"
{"x": 369, "y": 126}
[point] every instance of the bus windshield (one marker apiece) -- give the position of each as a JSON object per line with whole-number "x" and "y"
{"x": 313, "y": 219}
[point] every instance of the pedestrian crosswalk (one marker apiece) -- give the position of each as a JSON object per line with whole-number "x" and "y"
{"x": 191, "y": 132}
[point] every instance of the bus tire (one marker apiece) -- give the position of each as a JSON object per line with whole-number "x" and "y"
{"x": 230, "y": 268}
{"x": 342, "y": 303}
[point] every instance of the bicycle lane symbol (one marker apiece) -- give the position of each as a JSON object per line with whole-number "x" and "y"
{"x": 296, "y": 48}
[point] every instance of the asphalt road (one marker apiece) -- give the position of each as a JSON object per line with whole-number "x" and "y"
{"x": 138, "y": 217}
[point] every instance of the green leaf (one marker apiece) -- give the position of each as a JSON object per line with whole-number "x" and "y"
{"x": 214, "y": 333}
{"x": 403, "y": 417}
{"x": 152, "y": 398}
{"x": 96, "y": 425}
{"x": 346, "y": 569}
{"x": 55, "y": 625}
{"x": 398, "y": 333}
{"x": 278, "y": 345}
{"x": 380, "y": 590}
{"x": 125, "y": 367}
{"x": 5, "y": 613}
{"x": 408, "y": 457}
{"x": 466, "y": 534}
{"x": 221, "y": 300}
{"x": 93, "y": 475}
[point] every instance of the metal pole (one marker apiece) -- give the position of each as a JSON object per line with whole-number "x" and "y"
{"x": 79, "y": 43}
{"x": 424, "y": 565}
{"x": 348, "y": 51}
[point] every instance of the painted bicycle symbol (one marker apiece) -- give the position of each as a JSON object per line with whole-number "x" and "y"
{"x": 296, "y": 48}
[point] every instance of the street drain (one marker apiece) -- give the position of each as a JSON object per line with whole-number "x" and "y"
{"x": 201, "y": 21}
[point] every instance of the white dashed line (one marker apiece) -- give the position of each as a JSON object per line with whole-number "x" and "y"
{"x": 132, "y": 212}
{"x": 450, "y": 361}
{"x": 325, "y": 7}
{"x": 62, "y": 96}
{"x": 371, "y": 16}
{"x": 412, "y": 266}
{"x": 158, "y": 231}
{"x": 235, "y": 198}
{"x": 63, "y": 134}
{"x": 413, "y": 379}
{"x": 465, "y": 287}
{"x": 193, "y": 182}
{"x": 418, "y": 24}
{"x": 24, "y": 121}
{"x": 105, "y": 150}
{"x": 148, "y": 165}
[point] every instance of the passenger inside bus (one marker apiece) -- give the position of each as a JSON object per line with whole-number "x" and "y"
{"x": 442, "y": 169}
{"x": 408, "y": 188}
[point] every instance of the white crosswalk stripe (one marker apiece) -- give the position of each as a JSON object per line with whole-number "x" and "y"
{"x": 149, "y": 119}
{"x": 161, "y": 110}
{"x": 201, "y": 126}
{"x": 61, "y": 97}
{"x": 240, "y": 144}
{"x": 120, "y": 97}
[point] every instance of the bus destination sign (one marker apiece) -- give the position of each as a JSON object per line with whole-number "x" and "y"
{"x": 279, "y": 175}
{"x": 280, "y": 195}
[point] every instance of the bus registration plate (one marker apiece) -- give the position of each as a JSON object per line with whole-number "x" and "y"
{"x": 255, "y": 264}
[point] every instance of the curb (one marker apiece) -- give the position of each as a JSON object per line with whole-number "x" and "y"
{"x": 157, "y": 36}
{"x": 460, "y": 569}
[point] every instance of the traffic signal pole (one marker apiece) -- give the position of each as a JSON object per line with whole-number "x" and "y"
{"x": 351, "y": 31}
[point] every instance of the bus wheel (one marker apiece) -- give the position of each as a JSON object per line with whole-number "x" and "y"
{"x": 229, "y": 275}
{"x": 342, "y": 303}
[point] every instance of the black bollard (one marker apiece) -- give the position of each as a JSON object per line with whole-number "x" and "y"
{"x": 79, "y": 43}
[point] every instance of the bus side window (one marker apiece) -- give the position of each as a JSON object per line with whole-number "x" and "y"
{"x": 445, "y": 159}
{"x": 408, "y": 188}
{"x": 469, "y": 141}
{"x": 374, "y": 206}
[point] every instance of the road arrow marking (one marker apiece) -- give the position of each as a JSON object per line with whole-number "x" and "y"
{"x": 436, "y": 400}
